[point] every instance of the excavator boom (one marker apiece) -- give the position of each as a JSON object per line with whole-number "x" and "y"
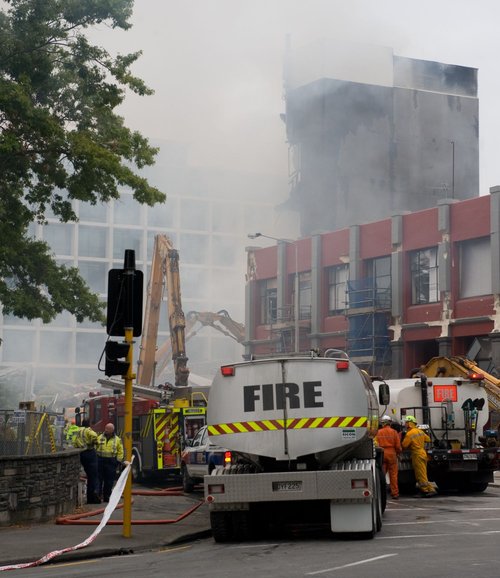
{"x": 164, "y": 276}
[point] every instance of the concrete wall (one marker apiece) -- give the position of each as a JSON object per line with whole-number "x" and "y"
{"x": 38, "y": 488}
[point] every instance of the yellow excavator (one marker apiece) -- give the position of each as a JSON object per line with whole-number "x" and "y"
{"x": 165, "y": 279}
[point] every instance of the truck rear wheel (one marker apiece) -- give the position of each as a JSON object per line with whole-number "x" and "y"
{"x": 221, "y": 525}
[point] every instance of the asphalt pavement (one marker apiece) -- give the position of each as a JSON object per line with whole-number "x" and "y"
{"x": 158, "y": 520}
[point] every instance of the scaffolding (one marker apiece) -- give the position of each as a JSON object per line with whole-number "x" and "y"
{"x": 368, "y": 315}
{"x": 282, "y": 330}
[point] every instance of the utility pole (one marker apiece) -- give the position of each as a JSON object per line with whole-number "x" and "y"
{"x": 124, "y": 319}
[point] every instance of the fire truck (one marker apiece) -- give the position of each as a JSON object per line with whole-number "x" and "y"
{"x": 451, "y": 399}
{"x": 161, "y": 423}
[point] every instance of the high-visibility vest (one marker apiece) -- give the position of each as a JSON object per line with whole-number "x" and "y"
{"x": 110, "y": 448}
{"x": 84, "y": 438}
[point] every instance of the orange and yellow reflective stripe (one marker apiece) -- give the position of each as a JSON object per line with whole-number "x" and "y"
{"x": 291, "y": 423}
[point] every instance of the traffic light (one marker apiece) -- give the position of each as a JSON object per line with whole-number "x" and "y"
{"x": 116, "y": 363}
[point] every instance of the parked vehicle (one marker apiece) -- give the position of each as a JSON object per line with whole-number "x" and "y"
{"x": 199, "y": 458}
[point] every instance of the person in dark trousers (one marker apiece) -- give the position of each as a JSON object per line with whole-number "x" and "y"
{"x": 109, "y": 456}
{"x": 85, "y": 439}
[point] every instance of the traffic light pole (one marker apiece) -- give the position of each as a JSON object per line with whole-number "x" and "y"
{"x": 127, "y": 442}
{"x": 128, "y": 270}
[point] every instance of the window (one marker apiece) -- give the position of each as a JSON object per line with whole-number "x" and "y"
{"x": 268, "y": 301}
{"x": 95, "y": 274}
{"x": 94, "y": 213}
{"x": 305, "y": 294}
{"x": 127, "y": 239}
{"x": 92, "y": 241}
{"x": 475, "y": 267}
{"x": 59, "y": 237}
{"x": 194, "y": 249}
{"x": 195, "y": 214}
{"x": 337, "y": 289}
{"x": 127, "y": 211}
{"x": 380, "y": 271}
{"x": 424, "y": 276}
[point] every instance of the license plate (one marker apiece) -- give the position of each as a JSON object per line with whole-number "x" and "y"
{"x": 470, "y": 456}
{"x": 287, "y": 486}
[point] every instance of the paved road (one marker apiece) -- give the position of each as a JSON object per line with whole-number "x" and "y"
{"x": 449, "y": 535}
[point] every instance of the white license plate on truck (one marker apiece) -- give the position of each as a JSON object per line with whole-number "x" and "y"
{"x": 295, "y": 486}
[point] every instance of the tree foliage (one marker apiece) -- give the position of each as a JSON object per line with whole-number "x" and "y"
{"x": 60, "y": 141}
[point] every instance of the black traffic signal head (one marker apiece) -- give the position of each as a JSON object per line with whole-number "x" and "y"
{"x": 115, "y": 363}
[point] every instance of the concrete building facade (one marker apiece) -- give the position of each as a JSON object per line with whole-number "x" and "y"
{"x": 372, "y": 133}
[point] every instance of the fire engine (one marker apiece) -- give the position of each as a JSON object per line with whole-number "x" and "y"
{"x": 161, "y": 424}
{"x": 450, "y": 397}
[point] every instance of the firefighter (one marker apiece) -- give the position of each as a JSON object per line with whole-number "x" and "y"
{"x": 70, "y": 430}
{"x": 415, "y": 440}
{"x": 109, "y": 456}
{"x": 388, "y": 439}
{"x": 85, "y": 439}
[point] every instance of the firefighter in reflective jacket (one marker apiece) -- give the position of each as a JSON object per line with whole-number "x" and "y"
{"x": 415, "y": 440}
{"x": 85, "y": 439}
{"x": 109, "y": 456}
{"x": 388, "y": 439}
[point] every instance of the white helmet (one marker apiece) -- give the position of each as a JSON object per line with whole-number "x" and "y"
{"x": 385, "y": 419}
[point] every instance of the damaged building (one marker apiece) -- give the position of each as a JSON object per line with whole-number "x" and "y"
{"x": 372, "y": 134}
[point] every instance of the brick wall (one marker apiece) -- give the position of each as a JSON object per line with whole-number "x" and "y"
{"x": 38, "y": 488}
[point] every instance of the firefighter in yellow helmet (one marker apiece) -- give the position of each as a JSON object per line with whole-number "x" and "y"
{"x": 415, "y": 440}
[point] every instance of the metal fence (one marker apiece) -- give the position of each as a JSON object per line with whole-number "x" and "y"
{"x": 25, "y": 432}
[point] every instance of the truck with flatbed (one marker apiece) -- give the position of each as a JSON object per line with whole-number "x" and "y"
{"x": 300, "y": 429}
{"x": 454, "y": 411}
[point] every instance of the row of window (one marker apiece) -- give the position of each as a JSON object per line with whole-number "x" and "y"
{"x": 374, "y": 290}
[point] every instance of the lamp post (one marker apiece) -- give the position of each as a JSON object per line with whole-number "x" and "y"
{"x": 296, "y": 296}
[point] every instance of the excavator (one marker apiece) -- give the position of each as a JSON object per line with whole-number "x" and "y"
{"x": 165, "y": 279}
{"x": 164, "y": 275}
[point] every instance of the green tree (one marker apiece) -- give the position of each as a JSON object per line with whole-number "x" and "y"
{"x": 60, "y": 140}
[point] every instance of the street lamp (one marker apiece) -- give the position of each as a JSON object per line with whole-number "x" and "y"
{"x": 296, "y": 296}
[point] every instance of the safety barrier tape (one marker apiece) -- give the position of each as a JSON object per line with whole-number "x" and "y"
{"x": 291, "y": 423}
{"x": 113, "y": 502}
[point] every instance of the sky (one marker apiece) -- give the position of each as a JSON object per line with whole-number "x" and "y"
{"x": 216, "y": 67}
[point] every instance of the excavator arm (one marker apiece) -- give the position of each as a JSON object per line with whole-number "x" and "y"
{"x": 196, "y": 320}
{"x": 164, "y": 277}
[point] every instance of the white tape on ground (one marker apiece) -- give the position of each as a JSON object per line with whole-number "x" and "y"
{"x": 116, "y": 494}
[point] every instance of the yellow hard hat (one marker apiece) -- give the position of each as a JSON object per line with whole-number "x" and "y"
{"x": 410, "y": 418}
